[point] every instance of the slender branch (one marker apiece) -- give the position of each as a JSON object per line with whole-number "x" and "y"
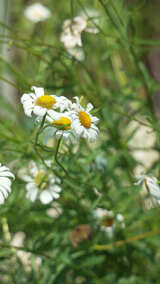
{"x": 39, "y": 130}
{"x": 56, "y": 156}
{"x": 123, "y": 242}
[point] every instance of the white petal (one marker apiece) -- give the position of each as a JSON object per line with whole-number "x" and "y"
{"x": 3, "y": 191}
{"x": 1, "y": 198}
{"x": 38, "y": 91}
{"x": 57, "y": 188}
{"x": 39, "y": 111}
{"x": 89, "y": 107}
{"x": 32, "y": 193}
{"x": 55, "y": 195}
{"x": 45, "y": 197}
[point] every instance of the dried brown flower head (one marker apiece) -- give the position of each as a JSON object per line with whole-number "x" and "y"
{"x": 79, "y": 234}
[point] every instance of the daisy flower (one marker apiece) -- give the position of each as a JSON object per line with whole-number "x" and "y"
{"x": 84, "y": 124}
{"x": 62, "y": 125}
{"x": 39, "y": 103}
{"x": 5, "y": 182}
{"x": 37, "y": 12}
{"x": 107, "y": 220}
{"x": 151, "y": 185}
{"x": 41, "y": 185}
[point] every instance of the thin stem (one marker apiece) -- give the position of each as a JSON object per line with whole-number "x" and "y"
{"x": 56, "y": 156}
{"x": 5, "y": 228}
{"x": 39, "y": 130}
{"x": 123, "y": 242}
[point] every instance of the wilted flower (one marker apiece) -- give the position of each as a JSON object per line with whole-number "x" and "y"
{"x": 108, "y": 221}
{"x": 41, "y": 184}
{"x": 5, "y": 182}
{"x": 79, "y": 234}
{"x": 151, "y": 185}
{"x": 37, "y": 12}
{"x": 39, "y": 103}
{"x": 84, "y": 123}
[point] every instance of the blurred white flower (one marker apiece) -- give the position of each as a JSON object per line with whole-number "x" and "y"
{"x": 108, "y": 221}
{"x": 62, "y": 125}
{"x": 119, "y": 217}
{"x": 151, "y": 185}
{"x": 101, "y": 213}
{"x": 5, "y": 182}
{"x": 76, "y": 26}
{"x": 25, "y": 257}
{"x": 70, "y": 40}
{"x": 100, "y": 162}
{"x": 84, "y": 124}
{"x": 41, "y": 184}
{"x": 92, "y": 19}
{"x": 39, "y": 103}
{"x": 55, "y": 211}
{"x": 71, "y": 33}
{"x": 37, "y": 12}
{"x": 140, "y": 179}
{"x": 77, "y": 53}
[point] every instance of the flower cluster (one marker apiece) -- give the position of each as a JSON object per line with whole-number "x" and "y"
{"x": 5, "y": 182}
{"x": 64, "y": 118}
{"x": 72, "y": 30}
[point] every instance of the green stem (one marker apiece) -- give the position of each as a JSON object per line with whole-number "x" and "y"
{"x": 39, "y": 130}
{"x": 56, "y": 156}
{"x": 123, "y": 242}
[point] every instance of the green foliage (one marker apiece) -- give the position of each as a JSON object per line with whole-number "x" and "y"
{"x": 115, "y": 79}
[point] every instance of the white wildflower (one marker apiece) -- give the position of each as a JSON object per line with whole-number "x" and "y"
{"x": 84, "y": 123}
{"x": 108, "y": 221}
{"x": 39, "y": 103}
{"x": 92, "y": 19}
{"x": 37, "y": 12}
{"x": 77, "y": 53}
{"x": 151, "y": 185}
{"x": 41, "y": 184}
{"x": 5, "y": 182}
{"x": 25, "y": 257}
{"x": 55, "y": 211}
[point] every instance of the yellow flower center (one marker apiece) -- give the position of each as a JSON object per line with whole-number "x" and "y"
{"x": 41, "y": 180}
{"x": 85, "y": 119}
{"x": 45, "y": 101}
{"x": 63, "y": 123}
